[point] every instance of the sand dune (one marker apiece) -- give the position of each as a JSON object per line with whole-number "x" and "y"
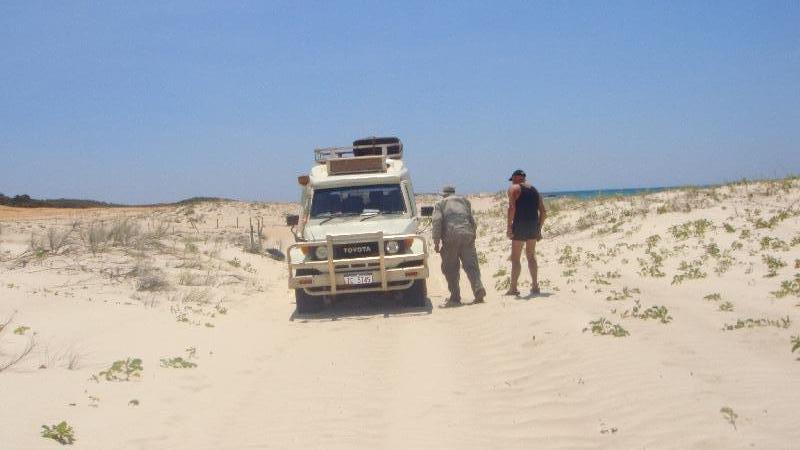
{"x": 710, "y": 307}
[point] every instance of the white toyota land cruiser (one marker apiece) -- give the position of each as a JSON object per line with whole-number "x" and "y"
{"x": 357, "y": 229}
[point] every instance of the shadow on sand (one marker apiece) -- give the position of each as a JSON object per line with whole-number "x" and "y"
{"x": 363, "y": 306}
{"x": 534, "y": 296}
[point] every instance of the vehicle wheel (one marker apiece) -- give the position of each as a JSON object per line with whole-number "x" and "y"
{"x": 416, "y": 295}
{"x": 307, "y": 303}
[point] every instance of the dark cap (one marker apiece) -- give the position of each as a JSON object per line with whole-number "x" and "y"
{"x": 447, "y": 190}
{"x": 519, "y": 172}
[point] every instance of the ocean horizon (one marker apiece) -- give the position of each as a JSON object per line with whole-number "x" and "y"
{"x": 592, "y": 193}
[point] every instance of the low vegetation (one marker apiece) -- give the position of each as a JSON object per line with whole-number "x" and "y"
{"x": 177, "y": 363}
{"x": 689, "y": 271}
{"x": 625, "y": 294}
{"x": 569, "y": 257}
{"x": 61, "y": 433}
{"x": 789, "y": 287}
{"x": 773, "y": 264}
{"x": 7, "y": 361}
{"x": 122, "y": 370}
{"x": 729, "y": 415}
{"x": 604, "y": 327}
{"x": 653, "y": 265}
{"x": 726, "y": 307}
{"x": 696, "y": 228}
{"x": 783, "y": 322}
{"x": 659, "y": 313}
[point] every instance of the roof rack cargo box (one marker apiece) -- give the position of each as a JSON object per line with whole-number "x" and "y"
{"x": 362, "y": 164}
{"x": 391, "y": 147}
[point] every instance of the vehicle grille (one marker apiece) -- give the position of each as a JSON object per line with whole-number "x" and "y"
{"x": 355, "y": 250}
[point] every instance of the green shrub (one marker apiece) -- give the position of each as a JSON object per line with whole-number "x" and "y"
{"x": 604, "y": 327}
{"x": 61, "y": 433}
{"x": 625, "y": 294}
{"x": 712, "y": 250}
{"x": 773, "y": 243}
{"x": 600, "y": 278}
{"x": 789, "y": 287}
{"x": 653, "y": 266}
{"x": 689, "y": 271}
{"x": 177, "y": 363}
{"x": 695, "y": 228}
{"x": 724, "y": 263}
{"x": 568, "y": 257}
{"x": 654, "y": 312}
{"x": 783, "y": 322}
{"x": 773, "y": 264}
{"x": 502, "y": 284}
{"x": 482, "y": 258}
{"x": 729, "y": 415}
{"x": 123, "y": 370}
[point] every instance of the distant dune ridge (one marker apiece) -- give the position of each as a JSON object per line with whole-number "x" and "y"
{"x": 25, "y": 201}
{"x": 666, "y": 320}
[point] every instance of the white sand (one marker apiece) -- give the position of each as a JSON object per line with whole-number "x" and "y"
{"x": 367, "y": 373}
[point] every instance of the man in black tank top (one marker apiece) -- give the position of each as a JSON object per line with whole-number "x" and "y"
{"x": 526, "y": 214}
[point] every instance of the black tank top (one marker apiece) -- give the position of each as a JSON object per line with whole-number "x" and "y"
{"x": 527, "y": 206}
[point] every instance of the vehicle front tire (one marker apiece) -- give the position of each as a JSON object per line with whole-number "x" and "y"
{"x": 417, "y": 295}
{"x": 307, "y": 303}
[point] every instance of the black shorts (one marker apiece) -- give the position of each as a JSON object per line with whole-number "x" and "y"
{"x": 525, "y": 231}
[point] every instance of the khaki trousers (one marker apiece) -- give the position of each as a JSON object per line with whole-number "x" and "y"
{"x": 460, "y": 250}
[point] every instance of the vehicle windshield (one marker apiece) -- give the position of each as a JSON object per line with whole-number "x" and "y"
{"x": 357, "y": 200}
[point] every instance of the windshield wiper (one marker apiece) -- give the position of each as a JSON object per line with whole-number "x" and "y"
{"x": 381, "y": 213}
{"x": 338, "y": 214}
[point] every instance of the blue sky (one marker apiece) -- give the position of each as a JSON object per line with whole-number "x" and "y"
{"x": 146, "y": 102}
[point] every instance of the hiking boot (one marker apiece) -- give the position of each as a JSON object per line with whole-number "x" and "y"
{"x": 536, "y": 291}
{"x": 480, "y": 295}
{"x": 449, "y": 303}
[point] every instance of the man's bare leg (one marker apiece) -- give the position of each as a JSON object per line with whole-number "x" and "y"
{"x": 516, "y": 266}
{"x": 533, "y": 267}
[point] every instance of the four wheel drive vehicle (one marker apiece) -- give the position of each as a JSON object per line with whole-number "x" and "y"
{"x": 357, "y": 229}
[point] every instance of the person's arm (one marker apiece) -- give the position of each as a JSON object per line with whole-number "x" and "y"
{"x": 513, "y": 194}
{"x": 471, "y": 217}
{"x": 542, "y": 215}
{"x": 436, "y": 225}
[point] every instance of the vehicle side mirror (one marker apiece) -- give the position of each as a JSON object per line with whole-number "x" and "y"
{"x": 292, "y": 220}
{"x": 427, "y": 211}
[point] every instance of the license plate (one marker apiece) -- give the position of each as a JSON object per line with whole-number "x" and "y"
{"x": 358, "y": 278}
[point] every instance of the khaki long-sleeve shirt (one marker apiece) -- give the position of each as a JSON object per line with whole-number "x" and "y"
{"x": 452, "y": 216}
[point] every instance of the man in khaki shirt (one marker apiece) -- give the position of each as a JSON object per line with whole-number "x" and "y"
{"x": 454, "y": 227}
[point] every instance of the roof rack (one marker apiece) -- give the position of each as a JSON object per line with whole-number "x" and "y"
{"x": 389, "y": 147}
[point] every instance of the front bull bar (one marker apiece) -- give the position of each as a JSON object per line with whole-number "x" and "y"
{"x": 329, "y": 277}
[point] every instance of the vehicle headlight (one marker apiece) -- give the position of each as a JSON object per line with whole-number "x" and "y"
{"x": 392, "y": 247}
{"x": 321, "y": 252}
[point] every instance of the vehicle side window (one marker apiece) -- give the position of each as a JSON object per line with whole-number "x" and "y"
{"x": 410, "y": 198}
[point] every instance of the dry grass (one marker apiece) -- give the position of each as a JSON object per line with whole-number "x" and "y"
{"x": 18, "y": 356}
{"x": 150, "y": 279}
